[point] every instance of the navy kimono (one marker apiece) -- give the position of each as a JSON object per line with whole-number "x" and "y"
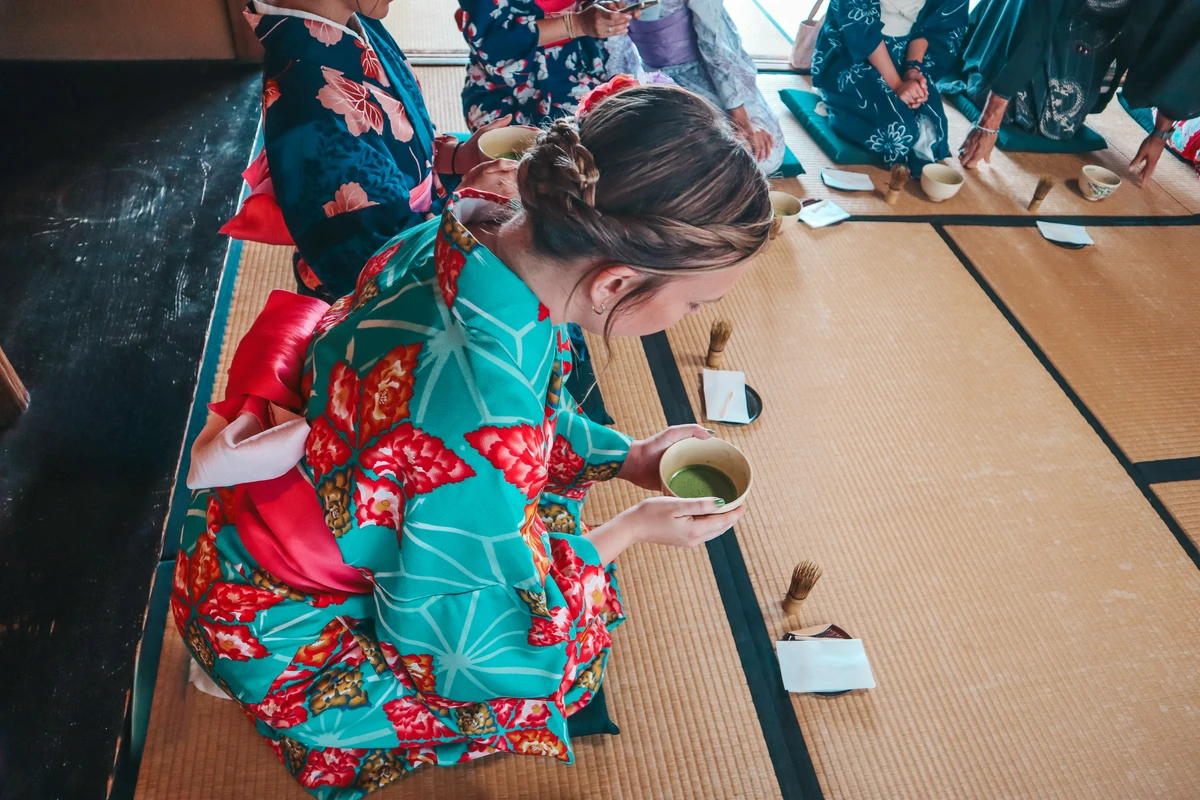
{"x": 862, "y": 107}
{"x": 349, "y": 144}
{"x": 510, "y": 74}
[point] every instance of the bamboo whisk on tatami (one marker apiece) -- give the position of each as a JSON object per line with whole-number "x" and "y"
{"x": 721, "y": 331}
{"x": 1045, "y": 184}
{"x": 804, "y": 578}
{"x": 896, "y": 183}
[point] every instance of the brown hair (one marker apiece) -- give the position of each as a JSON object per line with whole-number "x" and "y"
{"x": 653, "y": 178}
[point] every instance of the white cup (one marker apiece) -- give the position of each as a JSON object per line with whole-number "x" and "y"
{"x": 1097, "y": 183}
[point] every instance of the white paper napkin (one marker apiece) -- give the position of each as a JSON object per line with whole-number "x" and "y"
{"x": 1067, "y": 234}
{"x": 846, "y": 180}
{"x": 824, "y": 665}
{"x": 822, "y": 213}
{"x": 719, "y": 386}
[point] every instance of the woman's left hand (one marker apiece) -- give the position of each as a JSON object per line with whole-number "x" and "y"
{"x": 641, "y": 465}
{"x": 468, "y": 155}
{"x": 498, "y": 177}
{"x": 1147, "y": 158}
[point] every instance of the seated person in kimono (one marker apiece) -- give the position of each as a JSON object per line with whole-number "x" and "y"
{"x": 397, "y": 572}
{"x": 351, "y": 150}
{"x": 697, "y": 46}
{"x": 1046, "y": 65}
{"x": 533, "y": 59}
{"x": 876, "y": 63}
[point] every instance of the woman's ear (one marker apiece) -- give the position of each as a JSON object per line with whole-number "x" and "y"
{"x": 611, "y": 284}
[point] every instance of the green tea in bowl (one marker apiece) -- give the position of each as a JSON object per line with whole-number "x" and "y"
{"x": 706, "y": 468}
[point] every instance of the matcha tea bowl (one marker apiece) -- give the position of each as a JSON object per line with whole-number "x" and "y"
{"x": 510, "y": 142}
{"x": 707, "y": 468}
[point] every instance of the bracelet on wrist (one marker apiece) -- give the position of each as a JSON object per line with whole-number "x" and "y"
{"x": 912, "y": 64}
{"x": 1164, "y": 135}
{"x": 454, "y": 159}
{"x": 987, "y": 131}
{"x": 570, "y": 27}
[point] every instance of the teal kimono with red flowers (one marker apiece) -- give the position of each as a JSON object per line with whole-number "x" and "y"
{"x": 450, "y": 465}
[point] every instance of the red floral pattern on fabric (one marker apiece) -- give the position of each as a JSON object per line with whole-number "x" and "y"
{"x": 449, "y": 261}
{"x": 533, "y": 533}
{"x": 342, "y": 405}
{"x": 568, "y": 571}
{"x": 386, "y": 392}
{"x": 377, "y": 502}
{"x": 393, "y": 109}
{"x": 234, "y": 642}
{"x": 349, "y": 197}
{"x": 284, "y": 708}
{"x": 270, "y": 93}
{"x": 234, "y": 602}
{"x": 517, "y": 451}
{"x": 372, "y": 68}
{"x": 333, "y": 640}
{"x": 547, "y": 632}
{"x": 565, "y": 466}
{"x": 413, "y": 721}
{"x": 420, "y": 460}
{"x": 538, "y": 742}
{"x": 330, "y": 766}
{"x": 593, "y": 641}
{"x": 326, "y": 451}
{"x": 543, "y": 312}
{"x": 352, "y": 101}
{"x": 337, "y": 312}
{"x": 517, "y": 713}
{"x": 375, "y": 265}
{"x": 478, "y": 748}
{"x": 420, "y": 672}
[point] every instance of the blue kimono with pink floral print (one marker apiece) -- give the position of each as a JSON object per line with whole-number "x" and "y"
{"x": 451, "y": 466}
{"x": 510, "y": 74}
{"x": 349, "y": 143}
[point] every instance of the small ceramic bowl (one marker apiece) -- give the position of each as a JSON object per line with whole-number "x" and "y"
{"x": 940, "y": 182}
{"x": 787, "y": 211}
{"x": 716, "y": 453}
{"x": 1097, "y": 183}
{"x": 515, "y": 139}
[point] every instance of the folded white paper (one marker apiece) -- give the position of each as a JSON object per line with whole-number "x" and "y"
{"x": 1067, "y": 234}
{"x": 725, "y": 396}
{"x": 846, "y": 180}
{"x": 824, "y": 665}
{"x": 822, "y": 213}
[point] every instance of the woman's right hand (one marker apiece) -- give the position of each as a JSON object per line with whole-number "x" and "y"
{"x": 912, "y": 92}
{"x": 601, "y": 23}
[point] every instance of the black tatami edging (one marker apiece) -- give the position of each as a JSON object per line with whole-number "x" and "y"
{"x": 794, "y": 768}
{"x": 1170, "y": 470}
{"x": 1031, "y": 221}
{"x": 1130, "y": 468}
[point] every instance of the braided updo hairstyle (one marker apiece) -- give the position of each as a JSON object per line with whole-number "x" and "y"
{"x": 654, "y": 178}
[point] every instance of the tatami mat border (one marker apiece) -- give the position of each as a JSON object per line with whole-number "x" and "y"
{"x": 776, "y": 715}
{"x": 1130, "y": 467}
{"x": 1170, "y": 470}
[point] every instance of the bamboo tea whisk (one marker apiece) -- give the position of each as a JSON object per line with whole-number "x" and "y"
{"x": 721, "y": 331}
{"x": 1045, "y": 184}
{"x": 804, "y": 578}
{"x": 896, "y": 183}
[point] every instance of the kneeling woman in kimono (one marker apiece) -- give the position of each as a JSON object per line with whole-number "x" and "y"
{"x": 351, "y": 150}
{"x": 877, "y": 62}
{"x": 420, "y": 587}
{"x": 696, "y": 45}
{"x": 533, "y": 59}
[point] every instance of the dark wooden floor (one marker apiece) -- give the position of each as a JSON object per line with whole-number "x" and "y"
{"x": 113, "y": 182}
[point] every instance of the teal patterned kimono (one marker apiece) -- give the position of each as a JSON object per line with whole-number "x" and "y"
{"x": 451, "y": 466}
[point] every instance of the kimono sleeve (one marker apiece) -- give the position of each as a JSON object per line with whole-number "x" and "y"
{"x": 1165, "y": 72}
{"x": 1026, "y": 51}
{"x": 861, "y": 26}
{"x": 584, "y": 453}
{"x": 942, "y": 24}
{"x": 476, "y": 589}
{"x": 499, "y": 32}
{"x": 341, "y": 192}
{"x": 730, "y": 68}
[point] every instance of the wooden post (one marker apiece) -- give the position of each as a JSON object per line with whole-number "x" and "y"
{"x": 13, "y": 397}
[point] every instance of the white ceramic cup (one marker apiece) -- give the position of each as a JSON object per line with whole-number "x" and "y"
{"x": 513, "y": 139}
{"x": 940, "y": 182}
{"x": 787, "y": 211}
{"x": 1097, "y": 183}
{"x": 715, "y": 453}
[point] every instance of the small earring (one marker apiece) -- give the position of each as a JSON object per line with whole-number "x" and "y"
{"x": 600, "y": 311}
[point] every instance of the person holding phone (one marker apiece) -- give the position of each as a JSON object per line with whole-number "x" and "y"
{"x": 696, "y": 44}
{"x": 534, "y": 59}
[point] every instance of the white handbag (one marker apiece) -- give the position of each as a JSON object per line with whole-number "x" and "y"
{"x": 806, "y": 40}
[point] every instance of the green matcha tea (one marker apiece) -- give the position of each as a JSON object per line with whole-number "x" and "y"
{"x": 511, "y": 156}
{"x": 701, "y": 480}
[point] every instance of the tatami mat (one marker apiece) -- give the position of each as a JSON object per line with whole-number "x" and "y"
{"x": 675, "y": 684}
{"x": 1118, "y": 319}
{"x": 442, "y": 90}
{"x": 1125, "y": 135}
{"x": 426, "y": 28}
{"x": 1182, "y": 499}
{"x": 1030, "y": 620}
{"x": 1003, "y": 186}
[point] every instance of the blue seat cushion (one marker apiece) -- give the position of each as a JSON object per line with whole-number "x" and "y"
{"x": 592, "y": 719}
{"x": 803, "y": 106}
{"x": 1014, "y": 140}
